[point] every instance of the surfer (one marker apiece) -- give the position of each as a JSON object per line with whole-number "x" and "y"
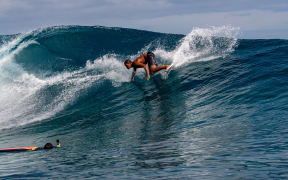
{"x": 141, "y": 61}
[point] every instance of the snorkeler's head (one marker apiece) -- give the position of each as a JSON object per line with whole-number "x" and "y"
{"x": 58, "y": 143}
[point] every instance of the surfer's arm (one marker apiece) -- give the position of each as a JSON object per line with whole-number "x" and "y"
{"x": 133, "y": 74}
{"x": 147, "y": 72}
{"x": 145, "y": 67}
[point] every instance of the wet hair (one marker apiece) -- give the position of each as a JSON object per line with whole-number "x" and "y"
{"x": 127, "y": 61}
{"x": 48, "y": 146}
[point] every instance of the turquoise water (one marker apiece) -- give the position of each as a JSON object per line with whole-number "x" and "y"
{"x": 221, "y": 113}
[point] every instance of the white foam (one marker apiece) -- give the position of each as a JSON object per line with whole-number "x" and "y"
{"x": 25, "y": 99}
{"x": 112, "y": 68}
{"x": 199, "y": 45}
{"x": 6, "y": 47}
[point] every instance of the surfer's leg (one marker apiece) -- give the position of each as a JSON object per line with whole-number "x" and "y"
{"x": 154, "y": 68}
{"x": 153, "y": 64}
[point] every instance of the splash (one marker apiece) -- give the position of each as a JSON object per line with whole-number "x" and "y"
{"x": 201, "y": 45}
{"x": 111, "y": 68}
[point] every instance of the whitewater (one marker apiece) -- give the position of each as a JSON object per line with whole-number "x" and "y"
{"x": 221, "y": 112}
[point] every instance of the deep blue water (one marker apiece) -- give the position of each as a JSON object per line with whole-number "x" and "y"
{"x": 221, "y": 113}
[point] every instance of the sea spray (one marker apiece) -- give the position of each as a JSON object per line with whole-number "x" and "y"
{"x": 201, "y": 44}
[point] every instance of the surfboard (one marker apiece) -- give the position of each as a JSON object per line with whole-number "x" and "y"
{"x": 32, "y": 148}
{"x": 169, "y": 68}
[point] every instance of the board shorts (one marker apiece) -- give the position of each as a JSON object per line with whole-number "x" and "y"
{"x": 150, "y": 59}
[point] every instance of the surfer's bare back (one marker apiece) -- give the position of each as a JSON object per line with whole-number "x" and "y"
{"x": 141, "y": 61}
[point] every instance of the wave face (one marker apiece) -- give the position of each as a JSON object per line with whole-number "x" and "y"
{"x": 220, "y": 112}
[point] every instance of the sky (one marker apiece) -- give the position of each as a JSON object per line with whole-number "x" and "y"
{"x": 255, "y": 18}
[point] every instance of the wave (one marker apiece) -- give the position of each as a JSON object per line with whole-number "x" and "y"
{"x": 45, "y": 71}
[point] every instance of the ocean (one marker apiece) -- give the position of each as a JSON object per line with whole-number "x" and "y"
{"x": 220, "y": 113}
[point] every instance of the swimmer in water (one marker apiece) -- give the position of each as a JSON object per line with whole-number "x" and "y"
{"x": 31, "y": 148}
